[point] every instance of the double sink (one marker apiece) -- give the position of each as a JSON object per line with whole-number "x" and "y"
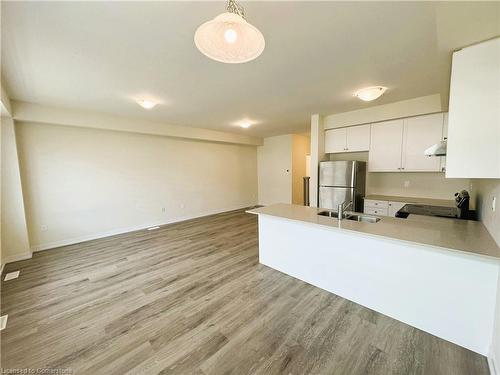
{"x": 352, "y": 217}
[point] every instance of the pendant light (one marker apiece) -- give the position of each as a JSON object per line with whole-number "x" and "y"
{"x": 229, "y": 38}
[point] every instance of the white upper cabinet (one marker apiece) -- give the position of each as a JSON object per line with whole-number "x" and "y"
{"x": 474, "y": 112}
{"x": 351, "y": 139}
{"x": 421, "y": 133}
{"x": 335, "y": 140}
{"x": 399, "y": 145}
{"x": 386, "y": 146}
{"x": 358, "y": 138}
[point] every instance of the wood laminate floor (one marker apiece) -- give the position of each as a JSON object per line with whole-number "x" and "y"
{"x": 191, "y": 298}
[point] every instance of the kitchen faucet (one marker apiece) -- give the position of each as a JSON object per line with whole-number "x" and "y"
{"x": 342, "y": 208}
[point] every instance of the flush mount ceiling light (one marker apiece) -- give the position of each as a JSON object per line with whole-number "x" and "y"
{"x": 146, "y": 104}
{"x": 229, "y": 38}
{"x": 244, "y": 123}
{"x": 370, "y": 93}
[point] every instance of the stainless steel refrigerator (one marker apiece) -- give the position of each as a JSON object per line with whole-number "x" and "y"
{"x": 341, "y": 181}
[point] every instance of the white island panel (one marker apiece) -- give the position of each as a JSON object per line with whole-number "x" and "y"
{"x": 448, "y": 294}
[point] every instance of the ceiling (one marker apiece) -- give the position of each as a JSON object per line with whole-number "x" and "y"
{"x": 101, "y": 56}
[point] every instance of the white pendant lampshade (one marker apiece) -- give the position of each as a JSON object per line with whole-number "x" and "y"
{"x": 229, "y": 38}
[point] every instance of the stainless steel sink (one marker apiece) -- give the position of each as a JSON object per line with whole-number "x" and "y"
{"x": 363, "y": 218}
{"x": 353, "y": 217}
{"x": 329, "y": 213}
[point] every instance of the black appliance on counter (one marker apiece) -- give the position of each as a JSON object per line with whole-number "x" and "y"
{"x": 460, "y": 211}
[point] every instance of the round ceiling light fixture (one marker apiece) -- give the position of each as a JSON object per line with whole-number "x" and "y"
{"x": 146, "y": 104}
{"x": 229, "y": 38}
{"x": 245, "y": 124}
{"x": 370, "y": 93}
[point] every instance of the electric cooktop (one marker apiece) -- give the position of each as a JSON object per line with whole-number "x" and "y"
{"x": 427, "y": 210}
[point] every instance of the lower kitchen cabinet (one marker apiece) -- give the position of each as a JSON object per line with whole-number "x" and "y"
{"x": 382, "y": 208}
{"x": 394, "y": 207}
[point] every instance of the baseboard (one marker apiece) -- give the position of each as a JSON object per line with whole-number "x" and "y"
{"x": 17, "y": 257}
{"x": 95, "y": 236}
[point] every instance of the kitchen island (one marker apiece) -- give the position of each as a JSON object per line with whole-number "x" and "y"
{"x": 438, "y": 275}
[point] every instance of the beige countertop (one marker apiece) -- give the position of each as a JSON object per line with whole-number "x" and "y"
{"x": 429, "y": 201}
{"x": 451, "y": 234}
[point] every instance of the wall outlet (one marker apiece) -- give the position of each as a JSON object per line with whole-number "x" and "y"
{"x": 182, "y": 205}
{"x": 494, "y": 204}
{"x": 407, "y": 184}
{"x": 163, "y": 209}
{"x": 44, "y": 228}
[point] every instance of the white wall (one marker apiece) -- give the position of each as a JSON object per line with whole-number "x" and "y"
{"x": 486, "y": 190}
{"x": 275, "y": 170}
{"x": 83, "y": 183}
{"x": 14, "y": 232}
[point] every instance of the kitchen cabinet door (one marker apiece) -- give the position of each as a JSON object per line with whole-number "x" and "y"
{"x": 394, "y": 207}
{"x": 419, "y": 134}
{"x": 474, "y": 112}
{"x": 335, "y": 140}
{"x": 376, "y": 211}
{"x": 358, "y": 138}
{"x": 386, "y": 144}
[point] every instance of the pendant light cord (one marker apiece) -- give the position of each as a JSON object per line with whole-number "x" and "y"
{"x": 234, "y": 7}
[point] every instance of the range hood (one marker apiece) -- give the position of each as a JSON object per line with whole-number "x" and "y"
{"x": 439, "y": 149}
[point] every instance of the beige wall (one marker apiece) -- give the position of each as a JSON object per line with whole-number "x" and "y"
{"x": 275, "y": 170}
{"x": 83, "y": 183}
{"x": 421, "y": 184}
{"x": 301, "y": 146}
{"x": 14, "y": 232}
